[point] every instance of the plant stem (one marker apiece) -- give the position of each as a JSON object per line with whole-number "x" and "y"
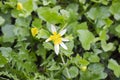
{"x": 66, "y": 67}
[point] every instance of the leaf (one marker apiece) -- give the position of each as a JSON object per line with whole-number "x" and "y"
{"x": 37, "y": 23}
{"x": 98, "y": 13}
{"x": 68, "y": 52}
{"x": 28, "y": 5}
{"x": 6, "y": 51}
{"x": 23, "y": 21}
{"x": 73, "y": 71}
{"x": 113, "y": 65}
{"x": 41, "y": 52}
{"x": 97, "y": 69}
{"x": 107, "y": 47}
{"x": 3, "y": 60}
{"x": 117, "y": 29}
{"x": 2, "y": 20}
{"x": 86, "y": 38}
{"x": 94, "y": 58}
{"x": 8, "y": 34}
{"x": 48, "y": 46}
{"x": 114, "y": 9}
{"x": 45, "y": 14}
{"x": 43, "y": 34}
{"x": 103, "y": 35}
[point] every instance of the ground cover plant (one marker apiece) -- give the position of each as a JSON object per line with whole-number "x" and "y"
{"x": 60, "y": 40}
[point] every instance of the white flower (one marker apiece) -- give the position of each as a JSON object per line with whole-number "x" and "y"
{"x": 57, "y": 39}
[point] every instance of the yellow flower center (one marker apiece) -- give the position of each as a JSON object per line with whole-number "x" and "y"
{"x": 34, "y": 31}
{"x": 19, "y": 6}
{"x": 56, "y": 38}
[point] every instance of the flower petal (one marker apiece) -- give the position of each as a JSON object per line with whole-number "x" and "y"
{"x": 63, "y": 32}
{"x": 63, "y": 45}
{"x": 53, "y": 29}
{"x": 65, "y": 39}
{"x": 56, "y": 48}
{"x": 47, "y": 40}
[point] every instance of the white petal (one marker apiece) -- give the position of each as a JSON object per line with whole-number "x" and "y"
{"x": 65, "y": 39}
{"x": 63, "y": 32}
{"x": 47, "y": 40}
{"x": 53, "y": 29}
{"x": 56, "y": 48}
{"x": 64, "y": 46}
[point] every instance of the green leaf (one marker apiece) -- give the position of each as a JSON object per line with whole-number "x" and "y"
{"x": 97, "y": 69}
{"x": 37, "y": 23}
{"x": 28, "y": 5}
{"x": 86, "y": 38}
{"x": 83, "y": 62}
{"x": 43, "y": 34}
{"x": 105, "y": 2}
{"x": 3, "y": 60}
{"x": 23, "y": 21}
{"x": 113, "y": 65}
{"x": 82, "y": 26}
{"x": 103, "y": 35}
{"x": 8, "y": 34}
{"x": 107, "y": 46}
{"x": 41, "y": 52}
{"x": 5, "y": 51}
{"x": 69, "y": 51}
{"x": 79, "y": 61}
{"x": 82, "y": 1}
{"x": 117, "y": 29}
{"x": 94, "y": 58}
{"x": 114, "y": 9}
{"x": 98, "y": 13}
{"x": 73, "y": 71}
{"x": 2, "y": 20}
{"x": 45, "y": 14}
{"x": 48, "y": 46}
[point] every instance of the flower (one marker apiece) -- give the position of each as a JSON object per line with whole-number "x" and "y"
{"x": 34, "y": 31}
{"x": 57, "y": 39}
{"x": 19, "y": 6}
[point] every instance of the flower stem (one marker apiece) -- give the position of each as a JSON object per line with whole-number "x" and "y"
{"x": 64, "y": 26}
{"x": 66, "y": 67}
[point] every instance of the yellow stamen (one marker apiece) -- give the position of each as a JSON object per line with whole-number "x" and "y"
{"x": 56, "y": 38}
{"x": 19, "y": 6}
{"x": 34, "y": 31}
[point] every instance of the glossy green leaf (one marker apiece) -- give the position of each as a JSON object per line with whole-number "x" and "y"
{"x": 113, "y": 65}
{"x": 107, "y": 46}
{"x": 118, "y": 29}
{"x": 2, "y": 20}
{"x": 45, "y": 14}
{"x": 98, "y": 13}
{"x": 37, "y": 23}
{"x": 73, "y": 72}
{"x": 8, "y": 34}
{"x": 43, "y": 34}
{"x": 114, "y": 9}
{"x": 86, "y": 38}
{"x": 94, "y": 58}
{"x": 3, "y": 61}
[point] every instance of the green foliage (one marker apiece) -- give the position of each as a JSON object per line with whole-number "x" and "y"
{"x": 92, "y": 40}
{"x": 86, "y": 38}
{"x": 113, "y": 65}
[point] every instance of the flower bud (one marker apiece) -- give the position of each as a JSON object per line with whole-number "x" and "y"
{"x": 19, "y": 6}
